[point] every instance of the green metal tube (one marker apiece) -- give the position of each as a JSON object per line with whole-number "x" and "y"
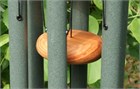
{"x": 56, "y": 26}
{"x": 18, "y": 46}
{"x": 80, "y": 14}
{"x": 114, "y": 43}
{"x": 35, "y": 28}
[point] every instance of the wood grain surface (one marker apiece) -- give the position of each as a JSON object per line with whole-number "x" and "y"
{"x": 84, "y": 47}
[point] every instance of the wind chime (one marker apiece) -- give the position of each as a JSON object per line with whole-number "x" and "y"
{"x": 82, "y": 47}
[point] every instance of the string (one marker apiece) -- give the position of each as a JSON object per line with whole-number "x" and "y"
{"x": 104, "y": 15}
{"x": 70, "y": 20}
{"x": 19, "y": 16}
{"x": 43, "y": 15}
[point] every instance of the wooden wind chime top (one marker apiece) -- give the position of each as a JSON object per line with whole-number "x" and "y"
{"x": 82, "y": 48}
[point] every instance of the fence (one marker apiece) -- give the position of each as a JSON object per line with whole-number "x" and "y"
{"x": 26, "y": 66}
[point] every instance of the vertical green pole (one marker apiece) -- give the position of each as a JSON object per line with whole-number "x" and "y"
{"x": 35, "y": 28}
{"x": 80, "y": 14}
{"x": 18, "y": 45}
{"x": 114, "y": 43}
{"x": 56, "y": 26}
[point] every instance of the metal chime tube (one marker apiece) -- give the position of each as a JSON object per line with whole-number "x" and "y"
{"x": 18, "y": 44}
{"x": 114, "y": 43}
{"x": 57, "y": 61}
{"x": 80, "y": 12}
{"x": 35, "y": 28}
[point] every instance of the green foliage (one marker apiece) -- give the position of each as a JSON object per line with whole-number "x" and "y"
{"x": 95, "y": 25}
{"x": 94, "y": 71}
{"x": 5, "y": 18}
{"x": 98, "y": 4}
{"x": 45, "y": 70}
{"x": 7, "y": 86}
{"x": 4, "y": 39}
{"x": 132, "y": 47}
{"x": 134, "y": 27}
{"x": 95, "y": 84}
{"x": 3, "y": 5}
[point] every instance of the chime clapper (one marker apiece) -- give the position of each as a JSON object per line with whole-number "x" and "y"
{"x": 82, "y": 48}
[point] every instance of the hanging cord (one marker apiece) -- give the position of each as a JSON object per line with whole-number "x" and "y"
{"x": 70, "y": 21}
{"x": 104, "y": 15}
{"x": 19, "y": 16}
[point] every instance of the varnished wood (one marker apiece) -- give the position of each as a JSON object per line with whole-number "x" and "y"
{"x": 82, "y": 48}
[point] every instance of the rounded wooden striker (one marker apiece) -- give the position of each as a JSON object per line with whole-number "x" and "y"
{"x": 82, "y": 48}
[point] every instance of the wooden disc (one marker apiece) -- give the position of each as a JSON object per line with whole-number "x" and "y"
{"x": 82, "y": 48}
